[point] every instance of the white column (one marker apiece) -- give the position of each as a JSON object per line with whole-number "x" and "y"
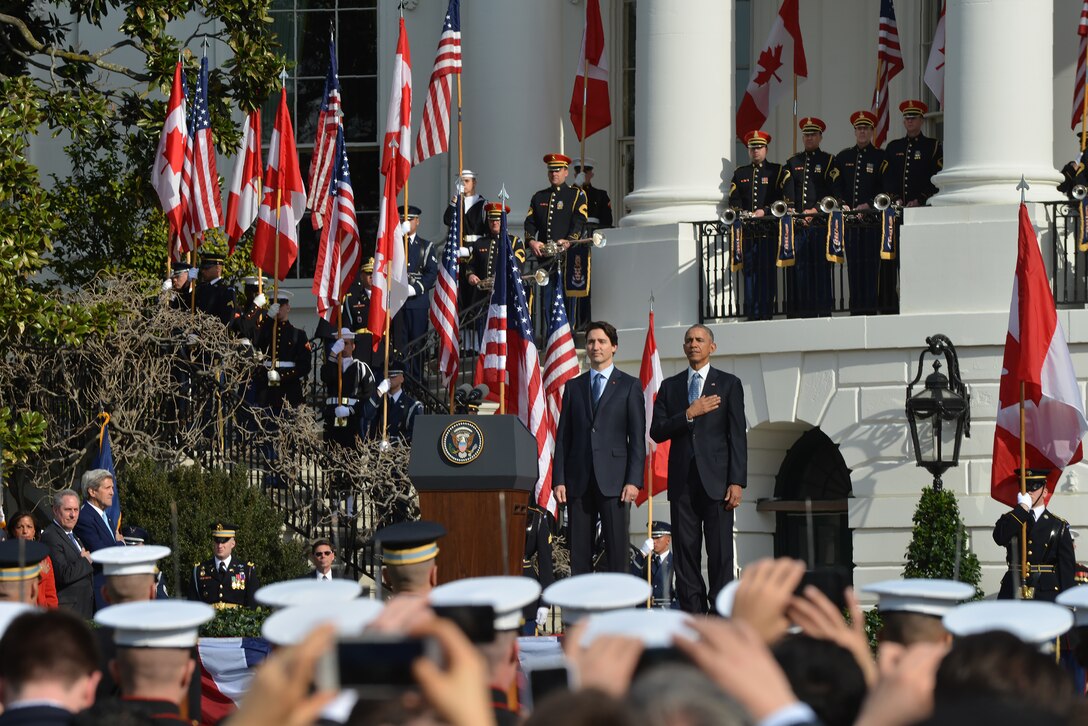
{"x": 683, "y": 110}
{"x": 999, "y": 102}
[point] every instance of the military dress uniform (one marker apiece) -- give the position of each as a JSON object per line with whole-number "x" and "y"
{"x": 861, "y": 177}
{"x": 757, "y": 186}
{"x": 1051, "y": 561}
{"x": 181, "y": 298}
{"x": 403, "y": 410}
{"x": 912, "y": 161}
{"x": 233, "y": 586}
{"x": 555, "y": 213}
{"x": 473, "y": 222}
{"x": 411, "y": 322}
{"x": 1074, "y": 172}
{"x": 216, "y": 298}
{"x": 355, "y": 385}
{"x": 812, "y": 177}
{"x": 293, "y": 362}
{"x": 481, "y": 258}
{"x": 356, "y": 317}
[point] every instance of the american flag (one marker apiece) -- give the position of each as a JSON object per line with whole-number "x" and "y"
{"x": 515, "y": 346}
{"x": 325, "y": 141}
{"x": 1078, "y": 84}
{"x": 434, "y": 130}
{"x": 203, "y": 207}
{"x": 889, "y": 63}
{"x": 444, "y": 305}
{"x": 560, "y": 365}
{"x": 338, "y": 255}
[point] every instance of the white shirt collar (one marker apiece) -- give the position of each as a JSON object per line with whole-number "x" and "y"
{"x": 95, "y": 508}
{"x": 1038, "y": 511}
{"x": 607, "y": 372}
{"x": 225, "y": 563}
{"x": 702, "y": 371}
{"x": 62, "y": 529}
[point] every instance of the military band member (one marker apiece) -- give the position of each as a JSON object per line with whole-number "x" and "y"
{"x": 1051, "y": 561}
{"x": 213, "y": 295}
{"x": 812, "y": 177}
{"x": 473, "y": 224}
{"x": 599, "y": 208}
{"x": 1073, "y": 173}
{"x": 913, "y": 159}
{"x": 480, "y": 264}
{"x": 278, "y": 339}
{"x": 346, "y": 392}
{"x": 559, "y": 212}
{"x": 411, "y": 322}
{"x": 755, "y": 187}
{"x": 224, "y": 581}
{"x": 862, "y": 170}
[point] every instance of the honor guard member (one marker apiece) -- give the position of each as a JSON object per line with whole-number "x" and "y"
{"x": 862, "y": 170}
{"x": 356, "y": 312}
{"x": 913, "y": 159}
{"x": 473, "y": 224}
{"x": 403, "y": 409}
{"x": 480, "y": 264}
{"x": 1050, "y": 557}
{"x": 224, "y": 581}
{"x": 280, "y": 380}
{"x": 755, "y": 187}
{"x": 599, "y": 206}
{"x": 538, "y": 542}
{"x": 911, "y": 610}
{"x": 20, "y": 566}
{"x": 593, "y": 593}
{"x": 411, "y": 322}
{"x": 409, "y": 557}
{"x": 1073, "y": 173}
{"x": 154, "y": 662}
{"x": 812, "y": 178}
{"x": 213, "y": 295}
{"x": 251, "y": 313}
{"x": 349, "y": 384}
{"x": 507, "y": 597}
{"x": 179, "y": 286}
{"x": 656, "y": 551}
{"x": 559, "y": 212}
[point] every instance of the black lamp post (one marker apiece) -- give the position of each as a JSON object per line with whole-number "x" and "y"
{"x": 940, "y": 413}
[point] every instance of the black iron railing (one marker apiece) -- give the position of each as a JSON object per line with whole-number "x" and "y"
{"x": 1067, "y": 258}
{"x": 759, "y": 288}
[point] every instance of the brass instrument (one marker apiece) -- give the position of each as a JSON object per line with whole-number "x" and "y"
{"x": 540, "y": 277}
{"x": 597, "y": 240}
{"x": 780, "y": 209}
{"x": 1080, "y": 192}
{"x": 882, "y": 201}
{"x": 829, "y": 204}
{"x": 730, "y": 215}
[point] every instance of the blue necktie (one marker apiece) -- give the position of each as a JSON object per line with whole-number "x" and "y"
{"x": 72, "y": 536}
{"x": 598, "y": 388}
{"x": 693, "y": 388}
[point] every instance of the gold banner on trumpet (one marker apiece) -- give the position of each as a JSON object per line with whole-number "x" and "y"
{"x": 540, "y": 278}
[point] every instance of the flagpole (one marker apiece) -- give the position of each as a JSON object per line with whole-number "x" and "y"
{"x": 648, "y": 482}
{"x": 795, "y": 112}
{"x": 1023, "y": 490}
{"x": 276, "y": 262}
{"x": 585, "y": 102}
{"x": 876, "y": 96}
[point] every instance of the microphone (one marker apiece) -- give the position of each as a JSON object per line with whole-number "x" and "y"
{"x": 478, "y": 393}
{"x": 462, "y": 394}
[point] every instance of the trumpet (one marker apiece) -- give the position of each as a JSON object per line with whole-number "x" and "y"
{"x": 780, "y": 209}
{"x": 597, "y": 240}
{"x": 829, "y": 205}
{"x": 1079, "y": 192}
{"x": 882, "y": 201}
{"x": 730, "y": 215}
{"x": 540, "y": 277}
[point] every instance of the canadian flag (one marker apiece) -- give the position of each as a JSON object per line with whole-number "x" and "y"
{"x": 390, "y": 284}
{"x": 934, "y": 75}
{"x": 170, "y": 155}
{"x": 772, "y": 77}
{"x": 591, "y": 82}
{"x": 275, "y": 243}
{"x": 656, "y": 477}
{"x": 1036, "y": 355}
{"x": 243, "y": 201}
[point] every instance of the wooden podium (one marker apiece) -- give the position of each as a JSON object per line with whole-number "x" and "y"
{"x": 470, "y": 471}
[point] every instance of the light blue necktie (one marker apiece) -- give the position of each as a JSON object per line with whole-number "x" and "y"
{"x": 598, "y": 388}
{"x": 693, "y": 388}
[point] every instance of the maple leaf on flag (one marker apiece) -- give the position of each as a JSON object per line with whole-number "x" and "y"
{"x": 770, "y": 60}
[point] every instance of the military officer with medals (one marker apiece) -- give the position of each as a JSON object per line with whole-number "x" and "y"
{"x": 862, "y": 170}
{"x": 812, "y": 177}
{"x": 224, "y": 581}
{"x": 280, "y": 380}
{"x": 1052, "y": 563}
{"x": 213, "y": 295}
{"x": 755, "y": 187}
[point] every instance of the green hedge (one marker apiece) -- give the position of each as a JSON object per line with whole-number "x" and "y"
{"x": 235, "y": 623}
{"x": 204, "y": 497}
{"x": 932, "y": 548}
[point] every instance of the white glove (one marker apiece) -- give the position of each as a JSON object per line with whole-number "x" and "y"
{"x": 579, "y": 179}
{"x": 273, "y": 310}
{"x": 193, "y": 273}
{"x": 412, "y": 292}
{"x": 342, "y": 412}
{"x": 167, "y": 284}
{"x": 260, "y": 300}
{"x": 464, "y": 252}
{"x": 1024, "y": 500}
{"x": 404, "y": 228}
{"x": 647, "y": 547}
{"x": 337, "y": 346}
{"x": 383, "y": 387}
{"x": 541, "y": 617}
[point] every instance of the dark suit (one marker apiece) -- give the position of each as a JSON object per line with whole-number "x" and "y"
{"x": 96, "y": 535}
{"x": 71, "y": 571}
{"x": 599, "y": 449}
{"x": 1051, "y": 561}
{"x": 36, "y": 716}
{"x": 705, "y": 457}
{"x": 332, "y": 574}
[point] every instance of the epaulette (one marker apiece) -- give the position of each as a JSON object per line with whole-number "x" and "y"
{"x": 250, "y": 564}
